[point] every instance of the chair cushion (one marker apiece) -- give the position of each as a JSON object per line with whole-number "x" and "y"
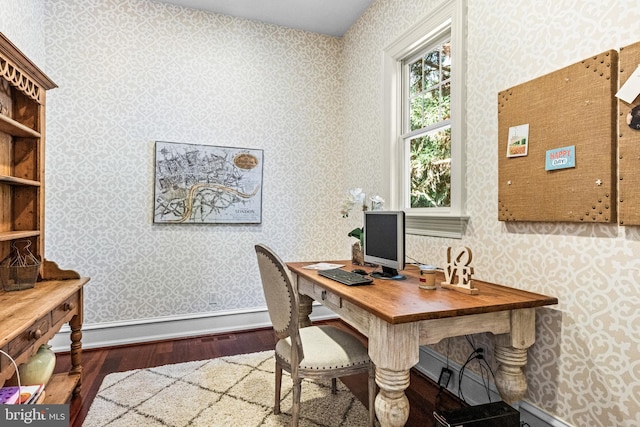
{"x": 326, "y": 347}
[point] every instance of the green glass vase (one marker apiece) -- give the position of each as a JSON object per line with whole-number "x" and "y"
{"x": 39, "y": 368}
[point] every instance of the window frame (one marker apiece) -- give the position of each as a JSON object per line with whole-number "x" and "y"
{"x": 448, "y": 18}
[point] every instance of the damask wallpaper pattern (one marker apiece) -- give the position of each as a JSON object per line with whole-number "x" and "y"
{"x": 587, "y": 357}
{"x": 134, "y": 71}
{"x": 585, "y": 365}
{"x": 23, "y": 23}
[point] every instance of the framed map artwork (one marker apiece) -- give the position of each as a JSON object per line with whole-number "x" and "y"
{"x": 206, "y": 184}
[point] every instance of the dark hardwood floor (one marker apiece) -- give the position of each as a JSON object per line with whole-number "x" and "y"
{"x": 97, "y": 363}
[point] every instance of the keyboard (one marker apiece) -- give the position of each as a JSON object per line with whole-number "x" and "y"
{"x": 345, "y": 277}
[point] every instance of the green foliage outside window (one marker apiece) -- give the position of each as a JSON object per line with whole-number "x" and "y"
{"x": 430, "y": 109}
{"x": 430, "y": 161}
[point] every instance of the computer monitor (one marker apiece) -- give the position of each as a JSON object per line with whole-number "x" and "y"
{"x": 384, "y": 242}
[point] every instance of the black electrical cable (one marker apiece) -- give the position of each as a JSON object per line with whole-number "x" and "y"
{"x": 448, "y": 344}
{"x": 437, "y": 401}
{"x": 484, "y": 376}
{"x": 477, "y": 354}
{"x": 470, "y": 341}
{"x": 474, "y": 355}
{"x": 483, "y": 365}
{"x": 414, "y": 260}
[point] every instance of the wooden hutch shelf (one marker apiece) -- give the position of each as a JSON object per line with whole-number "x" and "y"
{"x": 12, "y": 180}
{"x": 7, "y": 236}
{"x": 13, "y": 128}
{"x": 31, "y": 315}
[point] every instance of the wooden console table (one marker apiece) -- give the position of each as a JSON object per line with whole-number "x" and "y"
{"x": 31, "y": 317}
{"x": 398, "y": 317}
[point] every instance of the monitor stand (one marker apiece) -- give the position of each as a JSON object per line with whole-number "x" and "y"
{"x": 387, "y": 273}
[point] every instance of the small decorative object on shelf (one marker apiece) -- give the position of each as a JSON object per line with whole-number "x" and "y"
{"x": 39, "y": 368}
{"x": 20, "y": 269}
{"x": 459, "y": 267}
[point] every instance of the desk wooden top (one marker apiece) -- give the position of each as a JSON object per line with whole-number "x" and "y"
{"x": 19, "y": 309}
{"x": 402, "y": 301}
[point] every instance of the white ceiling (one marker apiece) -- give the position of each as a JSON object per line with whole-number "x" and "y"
{"x": 332, "y": 17}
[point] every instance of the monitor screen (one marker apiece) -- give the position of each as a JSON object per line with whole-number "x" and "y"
{"x": 384, "y": 242}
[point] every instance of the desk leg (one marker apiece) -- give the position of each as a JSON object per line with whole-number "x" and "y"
{"x": 394, "y": 349}
{"x": 76, "y": 350}
{"x": 305, "y": 307}
{"x": 511, "y": 355}
{"x": 76, "y": 342}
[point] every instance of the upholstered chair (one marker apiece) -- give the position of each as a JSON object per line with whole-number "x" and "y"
{"x": 316, "y": 352}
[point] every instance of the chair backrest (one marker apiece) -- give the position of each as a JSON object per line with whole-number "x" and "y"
{"x": 282, "y": 299}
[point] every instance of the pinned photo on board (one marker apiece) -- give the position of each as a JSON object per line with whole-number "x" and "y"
{"x": 518, "y": 144}
{"x": 633, "y": 118}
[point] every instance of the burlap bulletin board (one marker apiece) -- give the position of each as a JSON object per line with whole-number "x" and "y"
{"x": 574, "y": 106}
{"x": 628, "y": 145}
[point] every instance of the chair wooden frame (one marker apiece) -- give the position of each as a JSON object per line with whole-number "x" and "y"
{"x": 283, "y": 305}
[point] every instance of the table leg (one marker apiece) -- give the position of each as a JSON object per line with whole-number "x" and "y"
{"x": 392, "y": 405}
{"x": 76, "y": 350}
{"x": 76, "y": 341}
{"x": 394, "y": 349}
{"x": 511, "y": 355}
{"x": 305, "y": 304}
{"x": 510, "y": 379}
{"x": 305, "y": 307}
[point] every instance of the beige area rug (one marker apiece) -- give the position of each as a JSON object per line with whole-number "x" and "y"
{"x": 236, "y": 391}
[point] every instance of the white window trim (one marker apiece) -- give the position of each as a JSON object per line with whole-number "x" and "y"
{"x": 441, "y": 222}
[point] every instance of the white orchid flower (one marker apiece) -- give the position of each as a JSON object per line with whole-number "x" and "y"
{"x": 377, "y": 200}
{"x": 357, "y": 199}
{"x": 356, "y": 195}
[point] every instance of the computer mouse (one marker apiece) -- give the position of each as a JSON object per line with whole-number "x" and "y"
{"x": 359, "y": 271}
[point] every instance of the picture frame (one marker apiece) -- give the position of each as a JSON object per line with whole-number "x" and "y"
{"x": 207, "y": 184}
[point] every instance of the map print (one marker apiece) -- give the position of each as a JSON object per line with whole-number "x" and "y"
{"x": 207, "y": 184}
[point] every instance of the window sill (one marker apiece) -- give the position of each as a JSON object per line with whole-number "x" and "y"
{"x": 437, "y": 225}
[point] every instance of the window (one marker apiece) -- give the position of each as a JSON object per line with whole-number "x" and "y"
{"x": 425, "y": 85}
{"x": 426, "y": 133}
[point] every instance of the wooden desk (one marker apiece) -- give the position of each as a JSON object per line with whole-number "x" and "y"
{"x": 31, "y": 317}
{"x": 398, "y": 317}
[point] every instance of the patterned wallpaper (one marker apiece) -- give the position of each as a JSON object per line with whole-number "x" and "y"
{"x": 134, "y": 71}
{"x": 23, "y": 23}
{"x": 586, "y": 368}
{"x": 585, "y": 365}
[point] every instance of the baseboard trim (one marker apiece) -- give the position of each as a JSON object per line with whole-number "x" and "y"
{"x": 111, "y": 334}
{"x": 475, "y": 393}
